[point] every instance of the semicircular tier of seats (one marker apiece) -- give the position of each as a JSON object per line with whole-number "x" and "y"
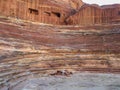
{"x": 29, "y": 50}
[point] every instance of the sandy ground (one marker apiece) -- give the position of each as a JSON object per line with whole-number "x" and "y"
{"x": 78, "y": 81}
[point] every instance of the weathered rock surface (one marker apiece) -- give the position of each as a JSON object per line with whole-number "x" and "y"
{"x": 94, "y": 14}
{"x": 43, "y": 11}
{"x": 60, "y": 12}
{"x": 28, "y": 49}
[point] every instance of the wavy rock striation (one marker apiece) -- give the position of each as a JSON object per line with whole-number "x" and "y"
{"x": 28, "y": 49}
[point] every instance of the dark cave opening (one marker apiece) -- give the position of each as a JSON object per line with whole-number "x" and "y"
{"x": 33, "y": 11}
{"x": 57, "y": 14}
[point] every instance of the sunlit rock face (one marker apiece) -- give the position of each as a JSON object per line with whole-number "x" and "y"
{"x": 61, "y": 12}
{"x": 75, "y": 4}
{"x": 43, "y": 11}
{"x": 91, "y": 14}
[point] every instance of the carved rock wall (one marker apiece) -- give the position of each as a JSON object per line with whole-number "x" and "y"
{"x": 86, "y": 15}
{"x": 111, "y": 14}
{"x": 56, "y": 12}
{"x": 92, "y": 14}
{"x": 37, "y": 10}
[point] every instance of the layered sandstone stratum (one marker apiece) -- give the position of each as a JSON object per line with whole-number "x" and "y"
{"x": 31, "y": 50}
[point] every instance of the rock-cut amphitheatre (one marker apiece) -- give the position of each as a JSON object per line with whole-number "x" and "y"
{"x": 45, "y": 44}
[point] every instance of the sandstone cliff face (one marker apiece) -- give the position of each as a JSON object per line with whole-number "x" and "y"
{"x": 93, "y": 14}
{"x": 111, "y": 13}
{"x": 43, "y": 11}
{"x": 74, "y": 4}
{"x": 87, "y": 15}
{"x": 57, "y": 12}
